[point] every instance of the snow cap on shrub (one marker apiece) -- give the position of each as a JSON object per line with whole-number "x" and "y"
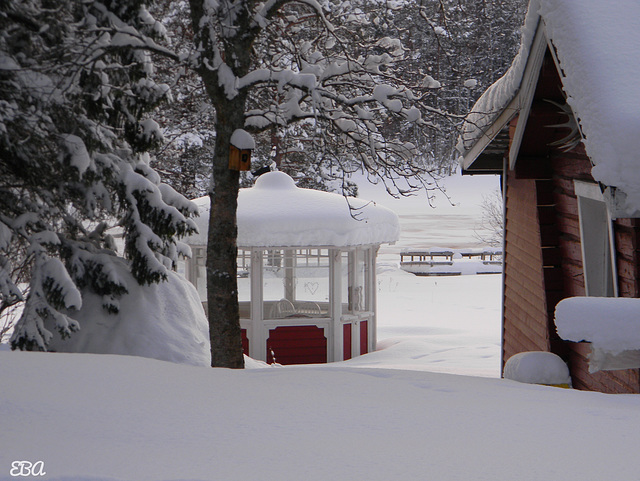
{"x": 537, "y": 367}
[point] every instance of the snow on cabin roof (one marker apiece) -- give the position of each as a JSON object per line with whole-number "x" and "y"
{"x": 596, "y": 44}
{"x": 277, "y": 213}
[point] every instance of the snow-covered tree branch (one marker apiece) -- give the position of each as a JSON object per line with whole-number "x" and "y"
{"x": 76, "y": 91}
{"x": 307, "y": 67}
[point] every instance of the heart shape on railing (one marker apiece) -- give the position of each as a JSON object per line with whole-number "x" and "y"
{"x": 311, "y": 287}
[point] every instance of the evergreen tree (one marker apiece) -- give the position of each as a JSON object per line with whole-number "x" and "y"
{"x": 187, "y": 121}
{"x": 76, "y": 92}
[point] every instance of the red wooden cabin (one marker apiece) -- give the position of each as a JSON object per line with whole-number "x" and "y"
{"x": 566, "y": 233}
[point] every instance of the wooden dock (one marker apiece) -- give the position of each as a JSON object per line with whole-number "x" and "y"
{"x": 437, "y": 261}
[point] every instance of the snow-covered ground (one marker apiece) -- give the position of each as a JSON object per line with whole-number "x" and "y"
{"x": 92, "y": 417}
{"x": 439, "y": 324}
{"x": 397, "y": 413}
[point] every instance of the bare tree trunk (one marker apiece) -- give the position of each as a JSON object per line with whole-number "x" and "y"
{"x": 222, "y": 283}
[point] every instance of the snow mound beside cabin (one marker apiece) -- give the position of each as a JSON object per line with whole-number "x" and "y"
{"x": 610, "y": 324}
{"x": 164, "y": 321}
{"x": 537, "y": 367}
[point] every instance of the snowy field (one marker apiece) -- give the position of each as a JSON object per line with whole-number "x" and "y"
{"x": 428, "y": 405}
{"x": 439, "y": 324}
{"x": 90, "y": 417}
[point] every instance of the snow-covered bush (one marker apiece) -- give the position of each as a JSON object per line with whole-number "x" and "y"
{"x": 163, "y": 321}
{"x": 537, "y": 367}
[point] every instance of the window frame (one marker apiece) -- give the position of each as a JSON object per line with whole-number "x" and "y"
{"x": 600, "y": 278}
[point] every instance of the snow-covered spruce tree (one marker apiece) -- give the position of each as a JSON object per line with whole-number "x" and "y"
{"x": 269, "y": 64}
{"x": 76, "y": 88}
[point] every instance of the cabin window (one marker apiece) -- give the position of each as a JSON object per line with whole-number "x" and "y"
{"x": 596, "y": 234}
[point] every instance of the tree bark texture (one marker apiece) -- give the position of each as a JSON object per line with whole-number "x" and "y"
{"x": 235, "y": 45}
{"x": 222, "y": 283}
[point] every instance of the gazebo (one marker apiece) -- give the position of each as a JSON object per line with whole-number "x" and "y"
{"x": 306, "y": 270}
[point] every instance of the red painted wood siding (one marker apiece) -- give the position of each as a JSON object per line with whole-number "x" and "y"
{"x": 245, "y": 342}
{"x": 627, "y": 235}
{"x": 543, "y": 256}
{"x": 346, "y": 341}
{"x": 364, "y": 337}
{"x": 551, "y": 206}
{"x": 566, "y": 167}
{"x": 525, "y": 310}
{"x": 297, "y": 345}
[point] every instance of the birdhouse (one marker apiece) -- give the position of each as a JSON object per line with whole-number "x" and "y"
{"x": 239, "y": 159}
{"x": 240, "y": 148}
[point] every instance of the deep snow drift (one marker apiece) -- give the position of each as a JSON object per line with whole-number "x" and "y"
{"x": 162, "y": 321}
{"x": 91, "y": 417}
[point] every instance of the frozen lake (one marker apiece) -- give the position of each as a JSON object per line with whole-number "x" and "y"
{"x": 443, "y": 222}
{"x": 420, "y": 231}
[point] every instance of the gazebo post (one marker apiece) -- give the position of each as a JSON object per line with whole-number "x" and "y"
{"x": 257, "y": 346}
{"x": 373, "y": 297}
{"x": 289, "y": 275}
{"x": 335, "y": 304}
{"x": 355, "y": 291}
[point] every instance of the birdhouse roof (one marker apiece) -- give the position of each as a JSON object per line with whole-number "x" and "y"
{"x": 277, "y": 213}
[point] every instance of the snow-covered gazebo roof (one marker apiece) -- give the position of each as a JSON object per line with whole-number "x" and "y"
{"x": 596, "y": 44}
{"x": 277, "y": 213}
